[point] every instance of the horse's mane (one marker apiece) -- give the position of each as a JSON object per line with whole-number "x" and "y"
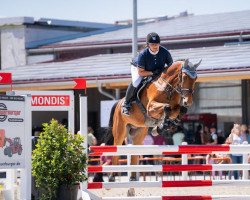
{"x": 170, "y": 71}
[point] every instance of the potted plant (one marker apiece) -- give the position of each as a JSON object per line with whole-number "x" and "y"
{"x": 58, "y": 162}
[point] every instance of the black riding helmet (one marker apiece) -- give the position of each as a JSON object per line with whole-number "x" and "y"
{"x": 153, "y": 38}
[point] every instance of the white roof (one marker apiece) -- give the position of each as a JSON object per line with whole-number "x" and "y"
{"x": 107, "y": 66}
{"x": 179, "y": 26}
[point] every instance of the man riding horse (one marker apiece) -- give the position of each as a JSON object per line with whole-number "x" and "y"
{"x": 160, "y": 101}
{"x": 150, "y": 62}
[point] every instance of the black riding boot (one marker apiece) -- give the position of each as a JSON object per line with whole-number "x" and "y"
{"x": 128, "y": 98}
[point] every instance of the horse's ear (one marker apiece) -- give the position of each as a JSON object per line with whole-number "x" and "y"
{"x": 197, "y": 64}
{"x": 186, "y": 63}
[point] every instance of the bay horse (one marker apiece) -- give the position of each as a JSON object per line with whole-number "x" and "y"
{"x": 165, "y": 99}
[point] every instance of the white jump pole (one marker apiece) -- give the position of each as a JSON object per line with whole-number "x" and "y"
{"x": 25, "y": 192}
{"x": 212, "y": 197}
{"x": 184, "y": 161}
{"x": 245, "y": 161}
{"x": 83, "y": 132}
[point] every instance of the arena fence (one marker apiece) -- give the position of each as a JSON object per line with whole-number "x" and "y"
{"x": 166, "y": 150}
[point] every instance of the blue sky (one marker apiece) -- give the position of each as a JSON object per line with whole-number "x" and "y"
{"x": 111, "y": 10}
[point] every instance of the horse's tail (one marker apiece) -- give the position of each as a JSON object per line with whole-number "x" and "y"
{"x": 109, "y": 138}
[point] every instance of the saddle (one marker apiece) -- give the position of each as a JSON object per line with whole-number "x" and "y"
{"x": 144, "y": 83}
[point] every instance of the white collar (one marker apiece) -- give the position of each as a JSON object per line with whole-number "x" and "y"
{"x": 153, "y": 53}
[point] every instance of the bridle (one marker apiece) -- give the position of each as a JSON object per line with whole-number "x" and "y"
{"x": 183, "y": 91}
{"x": 170, "y": 89}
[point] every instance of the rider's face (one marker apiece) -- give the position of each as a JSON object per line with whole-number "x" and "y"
{"x": 154, "y": 47}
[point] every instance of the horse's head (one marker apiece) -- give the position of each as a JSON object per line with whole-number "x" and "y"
{"x": 187, "y": 78}
{"x": 178, "y": 81}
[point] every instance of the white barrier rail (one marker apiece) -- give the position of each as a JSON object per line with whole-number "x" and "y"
{"x": 168, "y": 149}
{"x": 212, "y": 197}
{"x": 162, "y": 184}
{"x": 167, "y": 168}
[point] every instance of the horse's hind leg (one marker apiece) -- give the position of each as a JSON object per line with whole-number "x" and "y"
{"x": 119, "y": 133}
{"x": 138, "y": 139}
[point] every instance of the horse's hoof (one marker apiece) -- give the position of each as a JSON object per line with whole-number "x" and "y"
{"x": 159, "y": 130}
{"x": 132, "y": 178}
{"x": 111, "y": 178}
{"x": 131, "y": 192}
{"x": 183, "y": 110}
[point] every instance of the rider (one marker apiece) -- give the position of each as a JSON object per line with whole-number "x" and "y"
{"x": 151, "y": 61}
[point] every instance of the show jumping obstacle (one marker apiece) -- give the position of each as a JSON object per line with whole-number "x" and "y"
{"x": 163, "y": 150}
{"x": 166, "y": 150}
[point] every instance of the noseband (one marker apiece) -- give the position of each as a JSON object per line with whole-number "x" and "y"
{"x": 183, "y": 91}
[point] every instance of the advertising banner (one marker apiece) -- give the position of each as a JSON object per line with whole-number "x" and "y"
{"x": 12, "y": 132}
{"x": 106, "y": 107}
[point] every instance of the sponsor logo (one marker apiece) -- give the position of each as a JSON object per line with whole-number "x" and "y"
{"x": 4, "y": 113}
{"x": 50, "y": 100}
{"x": 3, "y": 108}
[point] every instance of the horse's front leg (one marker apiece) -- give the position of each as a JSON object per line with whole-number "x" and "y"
{"x": 170, "y": 120}
{"x": 157, "y": 110}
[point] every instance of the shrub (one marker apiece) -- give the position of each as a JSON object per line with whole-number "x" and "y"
{"x": 58, "y": 159}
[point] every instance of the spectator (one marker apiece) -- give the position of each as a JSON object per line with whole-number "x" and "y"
{"x": 214, "y": 159}
{"x": 205, "y": 136}
{"x": 197, "y": 137}
{"x": 248, "y": 134}
{"x": 190, "y": 134}
{"x": 178, "y": 137}
{"x": 92, "y": 141}
{"x": 244, "y": 132}
{"x": 197, "y": 140}
{"x": 91, "y": 138}
{"x": 221, "y": 137}
{"x": 104, "y": 160}
{"x": 236, "y": 138}
{"x": 213, "y": 135}
{"x": 249, "y": 129}
{"x": 148, "y": 140}
{"x": 157, "y": 138}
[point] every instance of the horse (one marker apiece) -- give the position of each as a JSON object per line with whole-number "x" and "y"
{"x": 165, "y": 100}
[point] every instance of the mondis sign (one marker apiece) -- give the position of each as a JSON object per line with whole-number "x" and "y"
{"x": 50, "y": 100}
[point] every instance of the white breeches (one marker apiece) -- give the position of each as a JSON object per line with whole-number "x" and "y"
{"x": 136, "y": 78}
